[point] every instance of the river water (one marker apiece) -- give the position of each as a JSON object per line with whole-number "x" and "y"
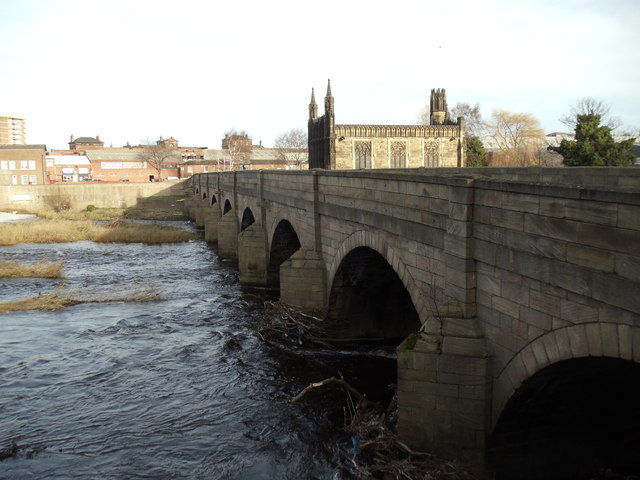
{"x": 177, "y": 388}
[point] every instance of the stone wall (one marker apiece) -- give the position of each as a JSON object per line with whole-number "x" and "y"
{"x": 79, "y": 195}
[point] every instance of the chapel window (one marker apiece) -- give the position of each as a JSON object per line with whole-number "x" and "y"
{"x": 398, "y": 155}
{"x": 431, "y": 156}
{"x": 362, "y": 154}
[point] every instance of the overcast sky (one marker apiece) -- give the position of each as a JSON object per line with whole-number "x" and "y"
{"x": 138, "y": 69}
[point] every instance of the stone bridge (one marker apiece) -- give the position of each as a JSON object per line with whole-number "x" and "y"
{"x": 501, "y": 287}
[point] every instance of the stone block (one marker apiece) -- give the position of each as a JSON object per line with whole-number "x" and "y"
{"x": 507, "y": 219}
{"x": 625, "y": 341}
{"x": 551, "y": 227}
{"x": 462, "y": 365}
{"x": 436, "y": 389}
{"x": 628, "y": 266}
{"x": 616, "y": 291}
{"x": 540, "y": 353}
{"x": 463, "y": 346}
{"x": 578, "y": 341}
{"x": 580, "y": 210}
{"x": 629, "y": 216}
{"x": 539, "y": 319}
{"x": 530, "y": 361}
{"x": 520, "y": 202}
{"x": 459, "y": 228}
{"x": 505, "y": 306}
{"x": 610, "y": 238}
{"x": 544, "y": 303}
{"x": 576, "y": 312}
{"x": 552, "y": 349}
{"x": 459, "y": 211}
{"x": 590, "y": 257}
{"x": 460, "y": 406}
{"x": 609, "y": 339}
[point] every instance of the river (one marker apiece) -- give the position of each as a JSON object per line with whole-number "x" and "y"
{"x": 177, "y": 388}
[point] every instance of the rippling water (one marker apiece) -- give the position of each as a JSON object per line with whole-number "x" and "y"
{"x": 178, "y": 388}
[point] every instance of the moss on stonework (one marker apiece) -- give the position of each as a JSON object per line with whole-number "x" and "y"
{"x": 409, "y": 343}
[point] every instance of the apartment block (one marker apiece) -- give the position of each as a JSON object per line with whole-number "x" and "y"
{"x": 12, "y": 131}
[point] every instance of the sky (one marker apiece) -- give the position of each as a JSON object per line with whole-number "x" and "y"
{"x": 135, "y": 70}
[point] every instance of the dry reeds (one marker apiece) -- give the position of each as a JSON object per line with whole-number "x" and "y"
{"x": 60, "y": 298}
{"x": 120, "y": 231}
{"x": 62, "y": 231}
{"x": 87, "y": 214}
{"x": 55, "y": 300}
{"x": 41, "y": 269}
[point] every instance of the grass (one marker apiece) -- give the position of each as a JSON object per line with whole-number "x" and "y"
{"x": 117, "y": 231}
{"x": 60, "y": 298}
{"x": 42, "y": 269}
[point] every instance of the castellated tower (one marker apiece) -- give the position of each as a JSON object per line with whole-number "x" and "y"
{"x": 438, "y": 107}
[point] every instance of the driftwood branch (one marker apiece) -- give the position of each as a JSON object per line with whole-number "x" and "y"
{"x": 328, "y": 381}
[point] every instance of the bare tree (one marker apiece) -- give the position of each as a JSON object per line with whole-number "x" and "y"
{"x": 292, "y": 147}
{"x": 473, "y": 125}
{"x": 517, "y": 137}
{"x": 158, "y": 156}
{"x": 590, "y": 106}
{"x": 239, "y": 145}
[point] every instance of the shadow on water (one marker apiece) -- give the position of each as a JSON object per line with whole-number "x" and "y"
{"x": 178, "y": 388}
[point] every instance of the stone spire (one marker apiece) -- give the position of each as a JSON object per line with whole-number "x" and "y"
{"x": 313, "y": 106}
{"x": 328, "y": 100}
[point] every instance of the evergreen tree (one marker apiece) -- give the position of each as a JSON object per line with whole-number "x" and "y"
{"x": 476, "y": 154}
{"x": 594, "y": 145}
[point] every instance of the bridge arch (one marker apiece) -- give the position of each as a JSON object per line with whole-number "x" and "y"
{"x": 247, "y": 219}
{"x": 227, "y": 207}
{"x": 364, "y": 238}
{"x": 204, "y": 195}
{"x": 285, "y": 241}
{"x": 213, "y": 200}
{"x": 369, "y": 288}
{"x": 570, "y": 419}
{"x": 595, "y": 339}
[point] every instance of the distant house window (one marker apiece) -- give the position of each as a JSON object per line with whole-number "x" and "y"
{"x": 431, "y": 156}
{"x": 12, "y": 164}
{"x": 4, "y": 165}
{"x": 398, "y": 155}
{"x": 362, "y": 154}
{"x": 28, "y": 179}
{"x": 24, "y": 165}
{"x": 190, "y": 169}
{"x": 205, "y": 169}
{"x": 32, "y": 164}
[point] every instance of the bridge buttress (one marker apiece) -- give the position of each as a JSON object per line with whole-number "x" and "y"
{"x": 303, "y": 281}
{"x": 212, "y": 217}
{"x": 303, "y": 277}
{"x": 443, "y": 387}
{"x": 253, "y": 246}
{"x": 253, "y": 255}
{"x": 443, "y": 370}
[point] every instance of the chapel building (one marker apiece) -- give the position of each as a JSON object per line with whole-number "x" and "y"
{"x": 345, "y": 147}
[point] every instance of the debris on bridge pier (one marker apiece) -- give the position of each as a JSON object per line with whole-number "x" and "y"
{"x": 285, "y": 325}
{"x": 377, "y": 450}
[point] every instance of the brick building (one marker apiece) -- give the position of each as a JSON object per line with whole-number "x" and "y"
{"x": 239, "y": 153}
{"x": 331, "y": 146}
{"x": 23, "y": 164}
{"x": 68, "y": 168}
